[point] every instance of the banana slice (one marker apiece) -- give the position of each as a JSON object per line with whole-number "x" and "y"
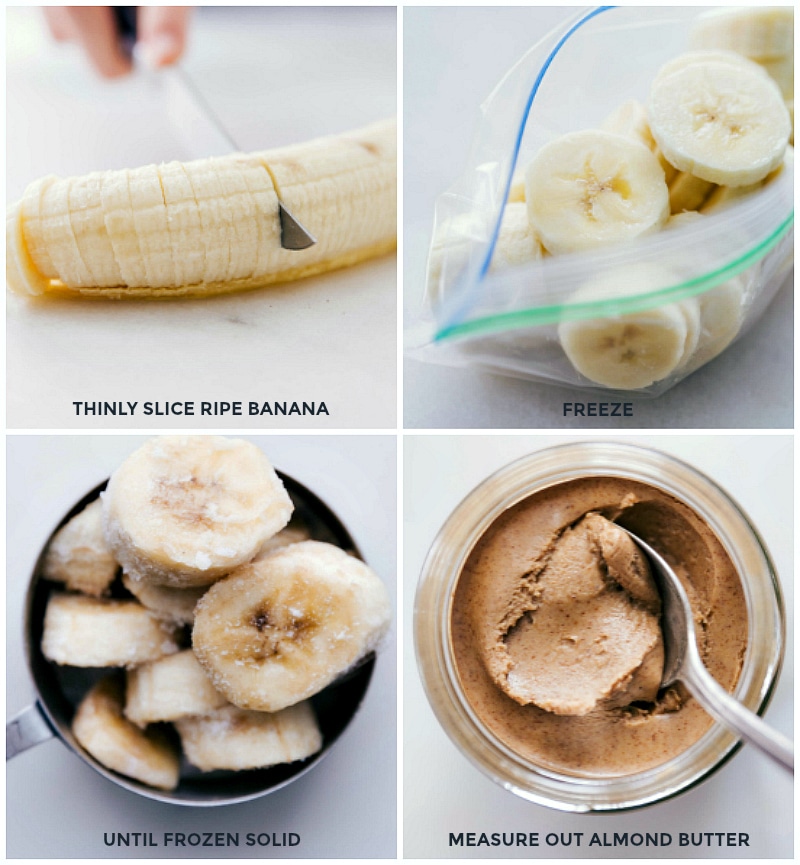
{"x": 185, "y": 510}
{"x": 630, "y": 120}
{"x": 101, "y": 729}
{"x": 79, "y": 556}
{"x": 285, "y": 538}
{"x": 687, "y": 192}
{"x": 722, "y": 316}
{"x": 756, "y": 32}
{"x": 634, "y": 350}
{"x": 781, "y": 71}
{"x": 91, "y": 632}
{"x": 168, "y": 689}
{"x": 591, "y": 188}
{"x": 164, "y": 602}
{"x": 281, "y": 629}
{"x": 233, "y": 738}
{"x": 692, "y": 58}
{"x": 723, "y": 123}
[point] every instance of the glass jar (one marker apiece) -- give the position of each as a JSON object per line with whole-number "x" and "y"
{"x": 449, "y": 553}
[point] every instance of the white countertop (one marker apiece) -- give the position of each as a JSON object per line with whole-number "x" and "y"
{"x": 454, "y": 58}
{"x": 58, "y": 807}
{"x": 445, "y": 793}
{"x": 274, "y": 76}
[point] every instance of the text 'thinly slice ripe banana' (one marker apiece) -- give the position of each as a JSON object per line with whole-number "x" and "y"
{"x": 233, "y": 738}
{"x": 165, "y": 602}
{"x": 79, "y": 556}
{"x": 757, "y": 32}
{"x": 185, "y": 510}
{"x": 116, "y": 743}
{"x": 209, "y": 226}
{"x": 633, "y": 350}
{"x": 168, "y": 689}
{"x": 723, "y": 123}
{"x": 588, "y": 189}
{"x": 90, "y": 632}
{"x": 283, "y": 628}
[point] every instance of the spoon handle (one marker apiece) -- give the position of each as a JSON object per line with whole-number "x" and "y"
{"x": 730, "y": 712}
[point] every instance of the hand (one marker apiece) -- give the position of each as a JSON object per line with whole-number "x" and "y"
{"x": 161, "y": 34}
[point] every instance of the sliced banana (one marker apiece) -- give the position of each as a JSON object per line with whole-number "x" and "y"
{"x": 90, "y": 632}
{"x": 630, "y": 120}
{"x": 79, "y": 556}
{"x": 232, "y": 738}
{"x": 101, "y": 729}
{"x": 687, "y": 192}
{"x": 692, "y": 58}
{"x": 185, "y": 510}
{"x": 587, "y": 189}
{"x": 722, "y": 316}
{"x": 164, "y": 602}
{"x": 283, "y": 628}
{"x": 723, "y": 123}
{"x": 169, "y": 688}
{"x": 292, "y": 534}
{"x": 634, "y": 350}
{"x": 758, "y": 32}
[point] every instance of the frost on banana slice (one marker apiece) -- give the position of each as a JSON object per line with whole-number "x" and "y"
{"x": 636, "y": 349}
{"x": 164, "y": 602}
{"x": 101, "y": 729}
{"x": 723, "y": 123}
{"x": 232, "y": 738}
{"x": 184, "y": 510}
{"x": 587, "y": 189}
{"x": 89, "y": 632}
{"x": 168, "y": 689}
{"x": 279, "y": 630}
{"x": 209, "y": 226}
{"x": 79, "y": 556}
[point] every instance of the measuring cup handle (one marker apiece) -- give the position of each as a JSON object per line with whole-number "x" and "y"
{"x": 28, "y": 728}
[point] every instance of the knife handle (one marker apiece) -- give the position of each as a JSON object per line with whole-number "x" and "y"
{"x": 125, "y": 20}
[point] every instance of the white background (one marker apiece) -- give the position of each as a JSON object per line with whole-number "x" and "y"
{"x": 274, "y": 76}
{"x": 345, "y": 807}
{"x": 445, "y": 793}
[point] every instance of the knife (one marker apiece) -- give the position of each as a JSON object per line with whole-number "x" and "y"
{"x": 191, "y": 112}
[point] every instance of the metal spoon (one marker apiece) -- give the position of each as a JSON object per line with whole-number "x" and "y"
{"x": 682, "y": 663}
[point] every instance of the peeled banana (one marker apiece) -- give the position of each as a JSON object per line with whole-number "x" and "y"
{"x": 233, "y": 738}
{"x": 184, "y": 510}
{"x": 279, "y": 630}
{"x": 209, "y": 226}
{"x": 99, "y": 726}
{"x": 79, "y": 556}
{"x": 169, "y": 688}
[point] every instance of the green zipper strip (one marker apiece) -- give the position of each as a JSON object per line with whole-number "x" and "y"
{"x": 598, "y": 309}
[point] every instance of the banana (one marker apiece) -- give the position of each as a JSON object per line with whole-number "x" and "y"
{"x": 169, "y": 688}
{"x": 781, "y": 71}
{"x": 90, "y": 632}
{"x": 232, "y": 738}
{"x": 757, "y": 32}
{"x": 164, "y": 602}
{"x": 636, "y": 349}
{"x": 587, "y": 189}
{"x": 279, "y": 630}
{"x": 687, "y": 192}
{"x": 210, "y": 226}
{"x": 101, "y": 729}
{"x": 184, "y": 510}
{"x": 292, "y": 534}
{"x": 79, "y": 556}
{"x": 722, "y": 315}
{"x": 692, "y": 58}
{"x": 790, "y": 109}
{"x": 630, "y": 120}
{"x": 724, "y": 196}
{"x": 721, "y": 122}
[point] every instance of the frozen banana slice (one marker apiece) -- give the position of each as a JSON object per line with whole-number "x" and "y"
{"x": 233, "y": 738}
{"x": 279, "y": 630}
{"x": 164, "y": 602}
{"x": 89, "y": 632}
{"x": 101, "y": 729}
{"x": 79, "y": 556}
{"x": 183, "y": 222}
{"x": 587, "y": 189}
{"x": 115, "y": 199}
{"x": 723, "y": 123}
{"x": 168, "y": 689}
{"x": 632, "y": 350}
{"x": 292, "y": 534}
{"x": 184, "y": 510}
